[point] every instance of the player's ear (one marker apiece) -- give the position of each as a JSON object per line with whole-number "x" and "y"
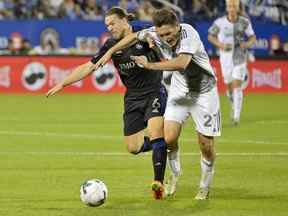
{"x": 178, "y": 29}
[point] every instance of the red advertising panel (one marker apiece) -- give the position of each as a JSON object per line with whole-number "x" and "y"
{"x": 264, "y": 76}
{"x": 37, "y": 74}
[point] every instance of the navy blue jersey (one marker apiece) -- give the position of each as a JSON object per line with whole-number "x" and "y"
{"x": 135, "y": 78}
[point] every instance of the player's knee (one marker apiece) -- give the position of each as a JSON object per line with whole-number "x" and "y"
{"x": 171, "y": 141}
{"x": 172, "y": 146}
{"x": 132, "y": 148}
{"x": 156, "y": 131}
{"x": 156, "y": 134}
{"x": 206, "y": 144}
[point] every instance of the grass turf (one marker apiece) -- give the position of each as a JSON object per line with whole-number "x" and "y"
{"x": 48, "y": 147}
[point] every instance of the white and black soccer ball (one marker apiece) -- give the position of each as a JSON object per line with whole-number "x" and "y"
{"x": 93, "y": 192}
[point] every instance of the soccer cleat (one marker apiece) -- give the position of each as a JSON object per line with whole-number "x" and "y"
{"x": 203, "y": 194}
{"x": 170, "y": 186}
{"x": 235, "y": 122}
{"x": 158, "y": 190}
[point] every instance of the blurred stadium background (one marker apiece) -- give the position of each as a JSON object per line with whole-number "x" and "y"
{"x": 48, "y": 147}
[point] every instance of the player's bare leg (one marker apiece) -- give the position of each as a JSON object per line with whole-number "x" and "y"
{"x": 172, "y": 131}
{"x": 138, "y": 143}
{"x": 207, "y": 165}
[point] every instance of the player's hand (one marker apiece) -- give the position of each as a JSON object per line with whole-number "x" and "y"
{"x": 243, "y": 45}
{"x": 102, "y": 61}
{"x": 141, "y": 61}
{"x": 226, "y": 47}
{"x": 55, "y": 90}
{"x": 151, "y": 41}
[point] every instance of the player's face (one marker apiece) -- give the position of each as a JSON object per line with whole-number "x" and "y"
{"x": 232, "y": 8}
{"x": 169, "y": 33}
{"x": 116, "y": 26}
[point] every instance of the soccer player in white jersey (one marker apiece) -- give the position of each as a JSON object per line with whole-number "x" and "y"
{"x": 233, "y": 35}
{"x": 193, "y": 90}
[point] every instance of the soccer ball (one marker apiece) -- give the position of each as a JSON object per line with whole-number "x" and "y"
{"x": 93, "y": 192}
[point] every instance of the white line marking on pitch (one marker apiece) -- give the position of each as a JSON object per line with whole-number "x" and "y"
{"x": 52, "y": 134}
{"x": 146, "y": 154}
{"x": 272, "y": 122}
{"x": 111, "y": 137}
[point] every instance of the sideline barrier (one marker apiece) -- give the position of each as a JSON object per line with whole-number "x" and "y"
{"x": 36, "y": 74}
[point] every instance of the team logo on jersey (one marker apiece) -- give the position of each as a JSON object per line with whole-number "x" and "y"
{"x": 34, "y": 76}
{"x": 139, "y": 46}
{"x": 126, "y": 66}
{"x": 119, "y": 52}
{"x": 105, "y": 77}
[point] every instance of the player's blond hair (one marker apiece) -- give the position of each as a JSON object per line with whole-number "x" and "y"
{"x": 233, "y": 1}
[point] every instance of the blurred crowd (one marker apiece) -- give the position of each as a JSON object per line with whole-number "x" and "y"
{"x": 17, "y": 45}
{"x": 189, "y": 10}
{"x": 276, "y": 10}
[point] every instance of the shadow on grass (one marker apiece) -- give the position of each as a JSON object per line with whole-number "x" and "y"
{"x": 239, "y": 194}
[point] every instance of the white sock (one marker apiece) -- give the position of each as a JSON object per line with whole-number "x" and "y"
{"x": 207, "y": 172}
{"x": 230, "y": 96}
{"x": 174, "y": 162}
{"x": 237, "y": 105}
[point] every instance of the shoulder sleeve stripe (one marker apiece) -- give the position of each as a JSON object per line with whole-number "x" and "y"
{"x": 183, "y": 34}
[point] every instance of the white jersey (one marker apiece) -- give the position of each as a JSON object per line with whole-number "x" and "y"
{"x": 232, "y": 33}
{"x": 199, "y": 76}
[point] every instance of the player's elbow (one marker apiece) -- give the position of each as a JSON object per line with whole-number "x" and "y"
{"x": 181, "y": 67}
{"x": 183, "y": 64}
{"x": 182, "y": 61}
{"x": 211, "y": 38}
{"x": 253, "y": 39}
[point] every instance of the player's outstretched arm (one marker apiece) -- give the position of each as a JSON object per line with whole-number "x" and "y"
{"x": 122, "y": 44}
{"x": 175, "y": 64}
{"x": 77, "y": 74}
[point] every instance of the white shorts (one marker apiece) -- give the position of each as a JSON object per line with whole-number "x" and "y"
{"x": 230, "y": 73}
{"x": 203, "y": 108}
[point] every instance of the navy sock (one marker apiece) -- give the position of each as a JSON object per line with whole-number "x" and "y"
{"x": 159, "y": 158}
{"x": 147, "y": 146}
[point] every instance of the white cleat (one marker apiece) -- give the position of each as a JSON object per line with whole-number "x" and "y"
{"x": 235, "y": 122}
{"x": 170, "y": 186}
{"x": 203, "y": 194}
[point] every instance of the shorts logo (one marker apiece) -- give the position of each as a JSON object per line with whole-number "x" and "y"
{"x": 34, "y": 76}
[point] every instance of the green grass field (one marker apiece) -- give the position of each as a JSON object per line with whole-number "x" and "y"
{"x": 48, "y": 147}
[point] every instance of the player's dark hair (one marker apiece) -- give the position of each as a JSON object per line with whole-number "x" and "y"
{"x": 121, "y": 13}
{"x": 164, "y": 17}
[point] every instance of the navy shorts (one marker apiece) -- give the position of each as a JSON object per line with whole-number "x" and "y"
{"x": 139, "y": 109}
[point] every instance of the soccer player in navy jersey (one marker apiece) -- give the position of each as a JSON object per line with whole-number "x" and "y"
{"x": 144, "y": 100}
